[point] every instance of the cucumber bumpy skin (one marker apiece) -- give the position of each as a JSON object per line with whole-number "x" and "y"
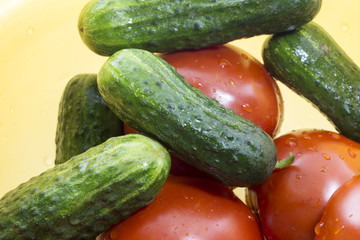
{"x": 84, "y": 119}
{"x": 84, "y": 196}
{"x": 150, "y": 96}
{"x": 107, "y": 26}
{"x": 310, "y": 62}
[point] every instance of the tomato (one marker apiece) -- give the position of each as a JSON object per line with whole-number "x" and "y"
{"x": 181, "y": 168}
{"x": 291, "y": 202}
{"x": 234, "y": 78}
{"x": 190, "y": 208}
{"x": 341, "y": 217}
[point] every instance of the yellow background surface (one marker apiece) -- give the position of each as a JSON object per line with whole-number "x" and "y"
{"x": 40, "y": 50}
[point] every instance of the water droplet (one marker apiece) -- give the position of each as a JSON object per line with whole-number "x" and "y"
{"x": 199, "y": 25}
{"x": 246, "y": 107}
{"x": 214, "y": 90}
{"x": 323, "y": 169}
{"x": 312, "y": 148}
{"x": 30, "y": 30}
{"x": 345, "y": 27}
{"x": 352, "y": 153}
{"x": 339, "y": 230}
{"x": 318, "y": 228}
{"x": 232, "y": 83}
{"x": 326, "y": 156}
{"x": 306, "y": 136}
{"x": 224, "y": 63}
{"x": 291, "y": 142}
{"x": 245, "y": 56}
{"x": 230, "y": 138}
{"x": 49, "y": 161}
{"x": 299, "y": 176}
{"x": 198, "y": 85}
{"x": 335, "y": 135}
{"x": 319, "y": 203}
{"x": 196, "y": 82}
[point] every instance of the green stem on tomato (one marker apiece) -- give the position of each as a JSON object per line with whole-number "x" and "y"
{"x": 285, "y": 162}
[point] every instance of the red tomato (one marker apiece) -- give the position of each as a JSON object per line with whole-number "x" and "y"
{"x": 190, "y": 208}
{"x": 291, "y": 201}
{"x": 234, "y": 78}
{"x": 341, "y": 217}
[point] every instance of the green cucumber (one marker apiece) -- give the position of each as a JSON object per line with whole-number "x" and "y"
{"x": 86, "y": 195}
{"x": 84, "y": 119}
{"x": 150, "y": 96}
{"x": 310, "y": 62}
{"x": 107, "y": 26}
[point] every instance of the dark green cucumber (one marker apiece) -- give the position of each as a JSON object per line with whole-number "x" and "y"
{"x": 86, "y": 195}
{"x": 309, "y": 61}
{"x": 107, "y": 26}
{"x": 149, "y": 95}
{"x": 84, "y": 119}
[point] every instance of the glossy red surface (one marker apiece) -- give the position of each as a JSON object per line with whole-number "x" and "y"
{"x": 291, "y": 201}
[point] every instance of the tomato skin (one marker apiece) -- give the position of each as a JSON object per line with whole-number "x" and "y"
{"x": 291, "y": 201}
{"x": 341, "y": 217}
{"x": 234, "y": 78}
{"x": 181, "y": 168}
{"x": 190, "y": 208}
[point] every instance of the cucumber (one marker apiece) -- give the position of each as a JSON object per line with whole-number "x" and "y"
{"x": 84, "y": 119}
{"x": 86, "y": 195}
{"x": 150, "y": 96}
{"x": 311, "y": 63}
{"x": 107, "y": 26}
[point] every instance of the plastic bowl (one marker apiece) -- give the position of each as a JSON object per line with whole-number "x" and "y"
{"x": 40, "y": 50}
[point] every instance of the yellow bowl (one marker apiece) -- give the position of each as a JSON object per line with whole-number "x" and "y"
{"x": 40, "y": 50}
